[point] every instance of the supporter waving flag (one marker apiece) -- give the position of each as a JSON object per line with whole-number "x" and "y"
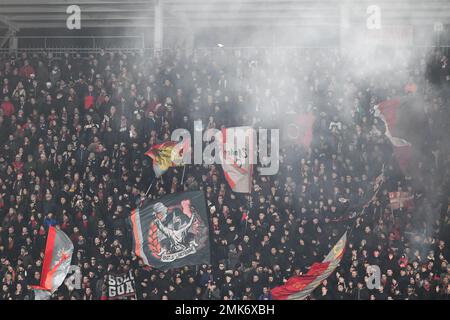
{"x": 58, "y": 255}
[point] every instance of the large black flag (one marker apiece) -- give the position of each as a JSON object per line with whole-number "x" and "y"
{"x": 173, "y": 231}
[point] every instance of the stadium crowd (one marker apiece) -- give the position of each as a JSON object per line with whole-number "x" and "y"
{"x": 74, "y": 130}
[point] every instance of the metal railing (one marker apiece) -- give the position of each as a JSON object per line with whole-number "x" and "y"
{"x": 93, "y": 44}
{"x": 78, "y": 43}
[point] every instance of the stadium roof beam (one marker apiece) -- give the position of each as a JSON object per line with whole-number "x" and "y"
{"x": 11, "y": 25}
{"x": 12, "y": 29}
{"x": 183, "y": 14}
{"x": 91, "y": 17}
{"x": 158, "y": 26}
{"x": 68, "y": 3}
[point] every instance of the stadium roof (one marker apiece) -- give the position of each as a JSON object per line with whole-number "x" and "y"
{"x": 221, "y": 13}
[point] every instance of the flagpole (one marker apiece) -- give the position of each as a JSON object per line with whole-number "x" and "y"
{"x": 249, "y": 203}
{"x": 182, "y": 177}
{"x": 363, "y": 211}
{"x": 246, "y": 222}
{"x": 146, "y": 193}
{"x": 393, "y": 216}
{"x": 135, "y": 291}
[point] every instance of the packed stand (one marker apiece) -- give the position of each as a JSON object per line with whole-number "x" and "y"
{"x": 74, "y": 130}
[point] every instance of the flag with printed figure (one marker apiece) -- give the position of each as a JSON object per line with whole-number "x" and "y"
{"x": 57, "y": 259}
{"x": 300, "y": 287}
{"x": 237, "y": 157}
{"x": 172, "y": 232}
{"x": 167, "y": 154}
{"x": 401, "y": 199}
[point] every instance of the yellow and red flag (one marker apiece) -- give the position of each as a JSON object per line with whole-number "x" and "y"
{"x": 165, "y": 155}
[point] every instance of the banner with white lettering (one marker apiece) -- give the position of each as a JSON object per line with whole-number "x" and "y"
{"x": 172, "y": 231}
{"x": 120, "y": 287}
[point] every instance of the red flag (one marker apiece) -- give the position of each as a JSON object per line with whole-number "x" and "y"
{"x": 300, "y": 287}
{"x": 299, "y": 129}
{"x": 403, "y": 154}
{"x": 387, "y": 111}
{"x": 298, "y": 283}
{"x": 58, "y": 255}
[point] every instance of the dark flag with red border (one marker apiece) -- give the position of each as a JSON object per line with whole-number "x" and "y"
{"x": 172, "y": 232}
